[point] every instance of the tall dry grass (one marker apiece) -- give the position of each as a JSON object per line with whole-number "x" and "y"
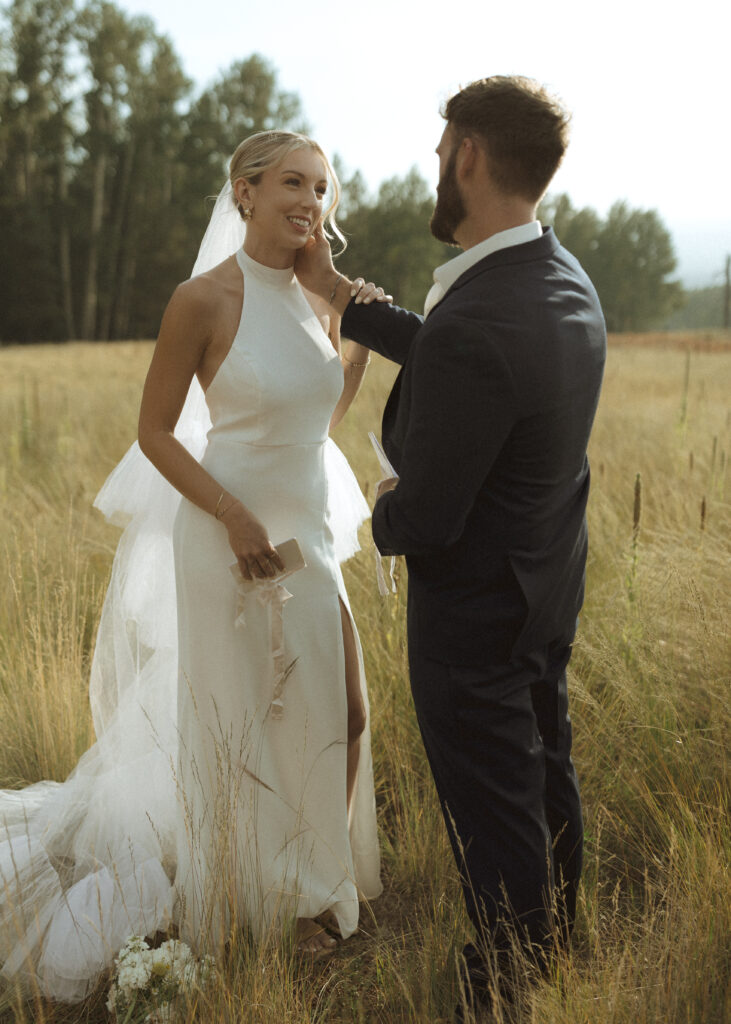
{"x": 649, "y": 682}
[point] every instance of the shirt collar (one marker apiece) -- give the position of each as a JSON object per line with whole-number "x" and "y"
{"x": 446, "y": 274}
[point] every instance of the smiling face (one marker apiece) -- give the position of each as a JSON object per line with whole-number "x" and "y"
{"x": 286, "y": 204}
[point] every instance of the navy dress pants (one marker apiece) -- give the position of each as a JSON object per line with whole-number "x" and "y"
{"x": 498, "y": 739}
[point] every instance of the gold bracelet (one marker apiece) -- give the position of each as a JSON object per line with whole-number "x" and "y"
{"x": 351, "y": 363}
{"x": 223, "y": 511}
{"x": 338, "y": 279}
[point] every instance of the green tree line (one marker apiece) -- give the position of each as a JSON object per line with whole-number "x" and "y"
{"x": 106, "y": 163}
{"x": 703, "y": 307}
{"x": 109, "y": 160}
{"x": 628, "y": 255}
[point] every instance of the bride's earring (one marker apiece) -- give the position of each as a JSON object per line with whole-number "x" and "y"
{"x": 247, "y": 213}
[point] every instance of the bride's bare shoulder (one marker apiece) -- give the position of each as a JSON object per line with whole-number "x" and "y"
{"x": 203, "y": 295}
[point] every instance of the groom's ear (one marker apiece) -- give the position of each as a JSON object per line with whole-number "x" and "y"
{"x": 468, "y": 155}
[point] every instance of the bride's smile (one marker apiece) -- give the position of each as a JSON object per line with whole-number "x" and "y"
{"x": 285, "y": 206}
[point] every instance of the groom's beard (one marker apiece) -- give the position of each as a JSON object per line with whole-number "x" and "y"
{"x": 449, "y": 211}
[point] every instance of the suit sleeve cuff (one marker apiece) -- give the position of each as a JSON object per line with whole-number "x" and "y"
{"x": 382, "y": 537}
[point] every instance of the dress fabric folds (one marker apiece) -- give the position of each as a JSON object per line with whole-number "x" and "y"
{"x": 214, "y": 797}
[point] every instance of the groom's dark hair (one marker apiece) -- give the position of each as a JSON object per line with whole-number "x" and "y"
{"x": 523, "y": 129}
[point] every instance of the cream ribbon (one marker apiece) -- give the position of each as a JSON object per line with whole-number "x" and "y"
{"x": 274, "y": 596}
{"x": 383, "y": 587}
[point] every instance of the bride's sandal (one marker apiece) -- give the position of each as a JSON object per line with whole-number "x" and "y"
{"x": 313, "y": 940}
{"x": 328, "y": 920}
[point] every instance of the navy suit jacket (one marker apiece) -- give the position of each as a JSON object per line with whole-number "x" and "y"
{"x": 487, "y": 425}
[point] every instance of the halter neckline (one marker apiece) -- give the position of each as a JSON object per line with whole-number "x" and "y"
{"x": 271, "y": 275}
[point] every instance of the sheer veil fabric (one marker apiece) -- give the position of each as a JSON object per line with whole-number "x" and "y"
{"x": 87, "y": 862}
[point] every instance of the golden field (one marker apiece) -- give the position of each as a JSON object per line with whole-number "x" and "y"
{"x": 649, "y": 682}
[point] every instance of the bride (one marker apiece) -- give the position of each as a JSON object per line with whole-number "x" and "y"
{"x": 231, "y": 783}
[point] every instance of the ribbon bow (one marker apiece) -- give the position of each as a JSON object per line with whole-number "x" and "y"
{"x": 383, "y": 587}
{"x": 273, "y": 595}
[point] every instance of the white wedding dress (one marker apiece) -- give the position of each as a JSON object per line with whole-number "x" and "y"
{"x": 214, "y": 796}
{"x": 262, "y": 709}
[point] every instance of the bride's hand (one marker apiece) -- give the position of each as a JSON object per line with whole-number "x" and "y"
{"x": 313, "y": 263}
{"x": 368, "y": 292}
{"x": 249, "y": 541}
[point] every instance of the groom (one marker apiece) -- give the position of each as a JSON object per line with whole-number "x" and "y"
{"x": 487, "y": 426}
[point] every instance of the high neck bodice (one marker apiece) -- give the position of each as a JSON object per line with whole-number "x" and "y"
{"x": 271, "y": 276}
{"x": 281, "y": 378}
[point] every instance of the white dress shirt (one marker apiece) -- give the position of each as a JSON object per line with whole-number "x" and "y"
{"x": 447, "y": 273}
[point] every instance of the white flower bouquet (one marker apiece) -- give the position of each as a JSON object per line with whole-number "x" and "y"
{"x": 148, "y": 982}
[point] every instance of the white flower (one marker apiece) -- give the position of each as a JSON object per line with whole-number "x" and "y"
{"x": 162, "y": 962}
{"x": 134, "y": 944}
{"x": 143, "y": 976}
{"x": 171, "y": 956}
{"x": 177, "y": 950}
{"x": 134, "y": 972}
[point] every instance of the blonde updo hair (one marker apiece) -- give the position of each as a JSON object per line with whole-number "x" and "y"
{"x": 264, "y": 150}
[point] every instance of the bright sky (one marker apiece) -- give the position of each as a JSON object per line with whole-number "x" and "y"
{"x": 647, "y": 81}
